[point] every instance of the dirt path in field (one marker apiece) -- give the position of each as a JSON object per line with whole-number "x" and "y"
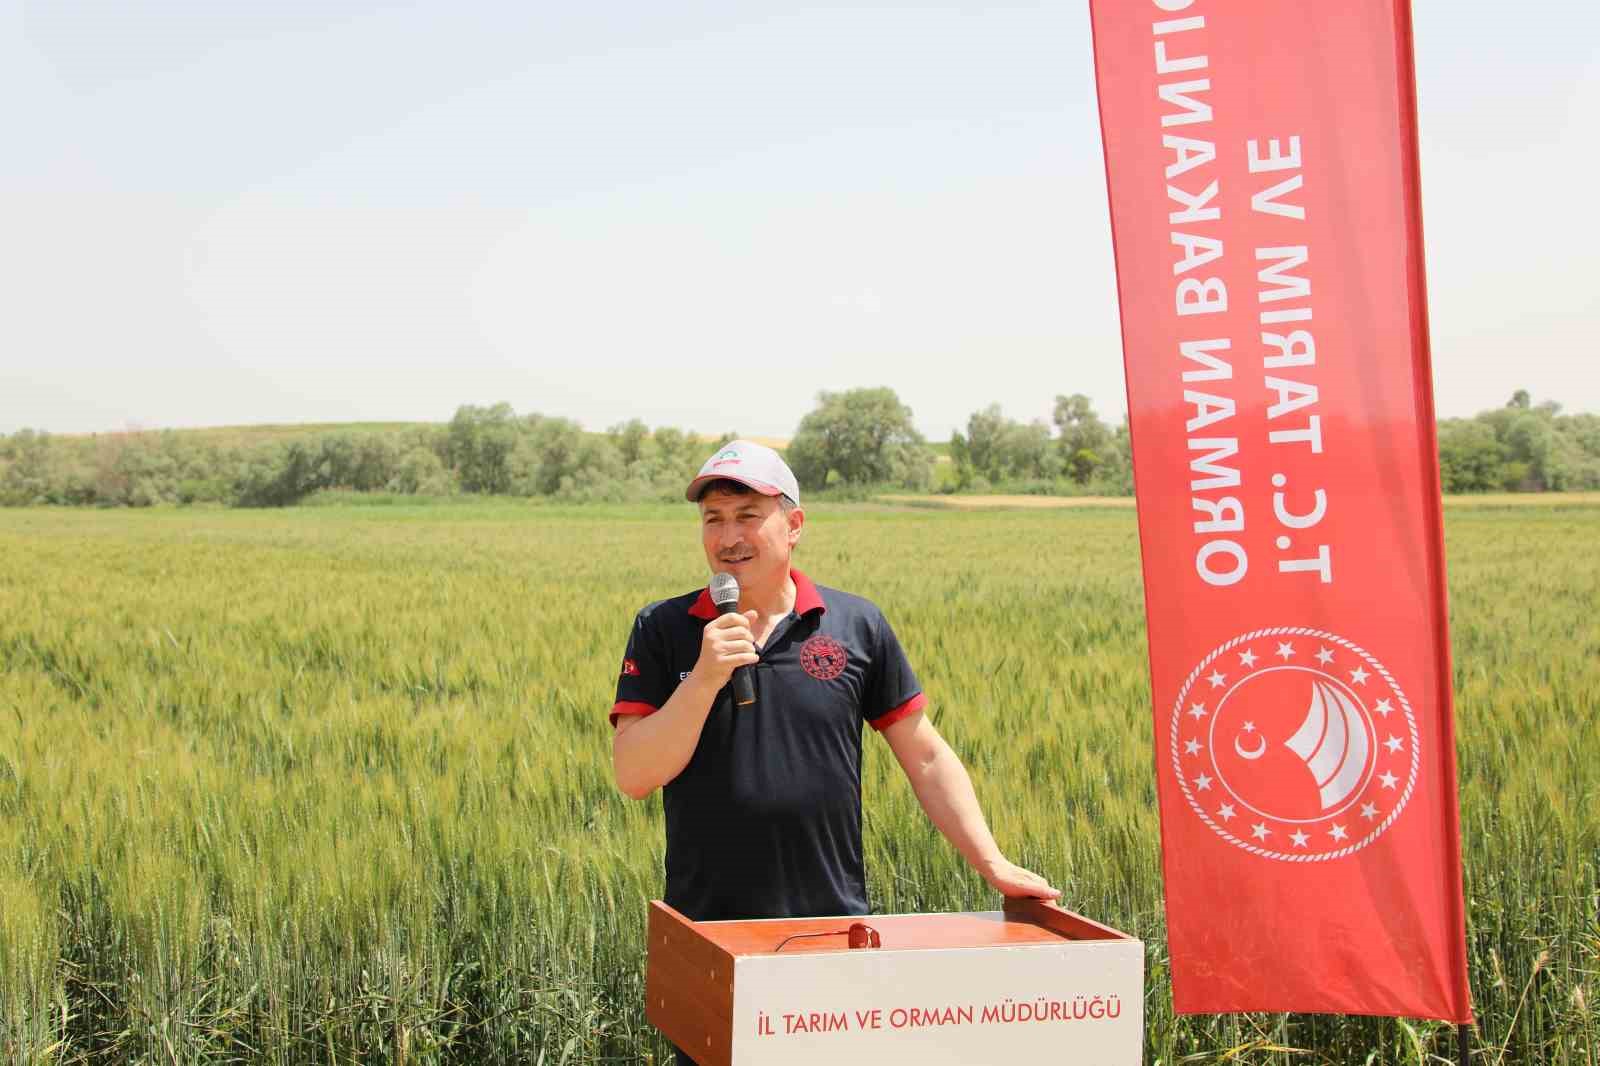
{"x": 1525, "y": 499}
{"x": 973, "y": 503}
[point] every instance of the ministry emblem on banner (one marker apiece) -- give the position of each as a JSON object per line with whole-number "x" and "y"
{"x": 1294, "y": 744}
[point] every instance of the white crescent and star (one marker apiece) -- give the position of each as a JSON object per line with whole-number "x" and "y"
{"x": 1251, "y": 754}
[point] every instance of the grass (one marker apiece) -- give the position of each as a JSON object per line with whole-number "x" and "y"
{"x": 332, "y": 784}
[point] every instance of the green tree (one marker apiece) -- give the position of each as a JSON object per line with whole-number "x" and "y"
{"x": 551, "y": 449}
{"x": 861, "y": 437}
{"x": 1026, "y": 451}
{"x": 376, "y": 457}
{"x": 33, "y": 470}
{"x": 676, "y": 448}
{"x": 480, "y": 443}
{"x": 421, "y": 472}
{"x": 631, "y": 439}
{"x": 997, "y": 448}
{"x": 597, "y": 473}
{"x": 1081, "y": 436}
{"x": 974, "y": 454}
{"x": 284, "y": 475}
{"x": 1578, "y": 442}
{"x": 1113, "y": 475}
{"x": 1470, "y": 457}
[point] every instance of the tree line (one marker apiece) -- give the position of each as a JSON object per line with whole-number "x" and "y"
{"x": 1521, "y": 447}
{"x": 487, "y": 450}
{"x": 853, "y": 441}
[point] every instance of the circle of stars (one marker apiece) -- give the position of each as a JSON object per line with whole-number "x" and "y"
{"x": 1336, "y": 832}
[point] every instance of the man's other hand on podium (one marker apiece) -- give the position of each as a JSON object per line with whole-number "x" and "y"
{"x": 944, "y": 790}
{"x": 1009, "y": 879}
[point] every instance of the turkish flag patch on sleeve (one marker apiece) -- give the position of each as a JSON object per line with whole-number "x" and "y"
{"x": 630, "y": 668}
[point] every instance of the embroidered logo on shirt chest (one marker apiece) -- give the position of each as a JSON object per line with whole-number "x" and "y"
{"x": 823, "y": 657}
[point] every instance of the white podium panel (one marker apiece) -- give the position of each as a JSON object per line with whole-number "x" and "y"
{"x": 1030, "y": 984}
{"x": 1071, "y": 1002}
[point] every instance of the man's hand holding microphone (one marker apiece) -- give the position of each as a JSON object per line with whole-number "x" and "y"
{"x": 650, "y": 750}
{"x": 726, "y": 644}
{"x": 724, "y": 589}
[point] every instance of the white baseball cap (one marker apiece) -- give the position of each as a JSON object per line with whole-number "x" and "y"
{"x": 750, "y": 464}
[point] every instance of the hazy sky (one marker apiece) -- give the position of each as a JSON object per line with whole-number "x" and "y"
{"x": 694, "y": 213}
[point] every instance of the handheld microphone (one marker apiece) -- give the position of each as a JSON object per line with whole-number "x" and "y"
{"x": 725, "y": 594}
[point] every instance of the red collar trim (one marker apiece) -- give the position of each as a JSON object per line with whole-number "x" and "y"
{"x": 703, "y": 607}
{"x": 806, "y": 596}
{"x": 806, "y": 599}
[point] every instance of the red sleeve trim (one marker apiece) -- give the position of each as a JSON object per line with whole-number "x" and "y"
{"x": 905, "y": 710}
{"x": 622, "y": 707}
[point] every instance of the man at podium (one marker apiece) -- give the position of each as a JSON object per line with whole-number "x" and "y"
{"x": 763, "y": 800}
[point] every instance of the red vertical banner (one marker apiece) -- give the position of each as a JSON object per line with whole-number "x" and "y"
{"x": 1261, "y": 163}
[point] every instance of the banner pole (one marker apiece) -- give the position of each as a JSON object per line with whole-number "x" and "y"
{"x": 1463, "y": 1043}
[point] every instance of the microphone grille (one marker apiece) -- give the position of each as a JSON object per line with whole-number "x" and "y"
{"x": 725, "y": 591}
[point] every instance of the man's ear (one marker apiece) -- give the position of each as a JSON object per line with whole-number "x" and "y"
{"x": 797, "y": 522}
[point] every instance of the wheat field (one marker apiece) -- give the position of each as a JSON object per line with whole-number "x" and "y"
{"x": 332, "y": 784}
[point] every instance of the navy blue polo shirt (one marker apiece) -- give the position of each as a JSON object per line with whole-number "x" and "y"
{"x": 765, "y": 820}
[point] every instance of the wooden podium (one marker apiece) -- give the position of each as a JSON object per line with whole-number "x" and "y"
{"x": 1031, "y": 983}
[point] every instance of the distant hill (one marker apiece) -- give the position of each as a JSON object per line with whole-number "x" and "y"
{"x": 278, "y": 432}
{"x": 283, "y": 432}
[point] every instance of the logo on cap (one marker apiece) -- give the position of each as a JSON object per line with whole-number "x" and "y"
{"x": 759, "y": 467}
